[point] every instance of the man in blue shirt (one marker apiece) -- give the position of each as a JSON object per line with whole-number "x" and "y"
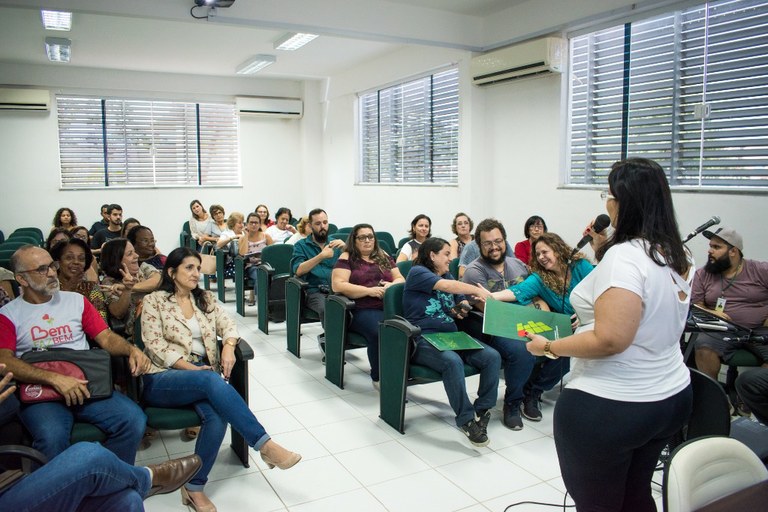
{"x": 313, "y": 260}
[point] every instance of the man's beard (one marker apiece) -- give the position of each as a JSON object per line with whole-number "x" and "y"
{"x": 502, "y": 256}
{"x": 46, "y": 289}
{"x": 719, "y": 265}
{"x": 320, "y": 236}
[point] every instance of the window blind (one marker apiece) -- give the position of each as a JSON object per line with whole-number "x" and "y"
{"x": 142, "y": 143}
{"x": 409, "y": 132}
{"x": 687, "y": 89}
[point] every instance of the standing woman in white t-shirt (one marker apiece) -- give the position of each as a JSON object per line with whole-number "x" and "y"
{"x": 629, "y": 390}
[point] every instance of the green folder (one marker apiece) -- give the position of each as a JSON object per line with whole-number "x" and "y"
{"x": 512, "y": 320}
{"x": 458, "y": 340}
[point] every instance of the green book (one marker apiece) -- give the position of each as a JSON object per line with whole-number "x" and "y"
{"x": 512, "y": 320}
{"x": 458, "y": 340}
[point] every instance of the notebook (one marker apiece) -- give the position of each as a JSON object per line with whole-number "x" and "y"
{"x": 512, "y": 320}
{"x": 458, "y": 340}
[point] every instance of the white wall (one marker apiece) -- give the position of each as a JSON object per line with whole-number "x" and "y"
{"x": 271, "y": 161}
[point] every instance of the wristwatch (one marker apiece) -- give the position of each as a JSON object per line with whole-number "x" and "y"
{"x": 231, "y": 343}
{"x": 548, "y": 351}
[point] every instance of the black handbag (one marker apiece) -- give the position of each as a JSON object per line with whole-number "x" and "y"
{"x": 93, "y": 365}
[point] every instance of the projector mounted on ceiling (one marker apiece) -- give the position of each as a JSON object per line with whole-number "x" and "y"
{"x": 214, "y": 3}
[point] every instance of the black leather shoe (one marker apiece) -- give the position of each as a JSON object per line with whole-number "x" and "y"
{"x": 170, "y": 475}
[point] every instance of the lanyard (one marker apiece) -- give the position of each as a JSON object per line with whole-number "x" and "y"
{"x": 730, "y": 282}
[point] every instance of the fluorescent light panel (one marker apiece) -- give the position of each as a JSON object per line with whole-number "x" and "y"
{"x": 58, "y": 49}
{"x": 293, "y": 41}
{"x": 255, "y": 64}
{"x": 56, "y": 20}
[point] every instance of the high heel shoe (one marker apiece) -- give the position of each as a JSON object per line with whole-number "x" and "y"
{"x": 186, "y": 499}
{"x": 288, "y": 462}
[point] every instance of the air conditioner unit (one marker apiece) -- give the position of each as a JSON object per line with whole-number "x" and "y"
{"x": 287, "y": 108}
{"x": 532, "y": 58}
{"x": 24, "y": 99}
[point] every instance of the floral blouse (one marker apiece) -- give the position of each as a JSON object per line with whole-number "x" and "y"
{"x": 167, "y": 337}
{"x": 145, "y": 271}
{"x": 95, "y": 296}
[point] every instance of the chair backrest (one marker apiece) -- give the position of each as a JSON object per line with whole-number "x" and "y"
{"x": 710, "y": 415}
{"x": 339, "y": 236}
{"x": 2, "y": 236}
{"x": 385, "y": 236}
{"x": 405, "y": 267}
{"x": 402, "y": 242}
{"x": 26, "y": 238}
{"x": 279, "y": 257}
{"x": 36, "y": 232}
{"x": 708, "y": 468}
{"x": 332, "y": 228}
{"x": 453, "y": 268}
{"x": 345, "y": 229}
{"x": 393, "y": 301}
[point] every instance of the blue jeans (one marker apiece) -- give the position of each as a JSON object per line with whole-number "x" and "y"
{"x": 545, "y": 375}
{"x": 518, "y": 363}
{"x": 450, "y": 365}
{"x": 252, "y": 272}
{"x": 50, "y": 424}
{"x": 84, "y": 477}
{"x": 365, "y": 322}
{"x": 216, "y": 402}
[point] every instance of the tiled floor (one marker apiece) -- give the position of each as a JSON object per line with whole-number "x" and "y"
{"x": 354, "y": 461}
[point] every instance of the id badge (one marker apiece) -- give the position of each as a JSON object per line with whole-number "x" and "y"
{"x": 720, "y": 305}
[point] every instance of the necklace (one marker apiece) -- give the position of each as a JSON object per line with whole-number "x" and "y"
{"x": 731, "y": 280}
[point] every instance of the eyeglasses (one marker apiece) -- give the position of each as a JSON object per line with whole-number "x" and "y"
{"x": 605, "y": 195}
{"x": 491, "y": 243}
{"x": 42, "y": 269}
{"x": 537, "y": 227}
{"x": 365, "y": 238}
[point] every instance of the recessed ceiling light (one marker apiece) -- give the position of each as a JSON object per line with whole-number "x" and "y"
{"x": 255, "y": 64}
{"x": 293, "y": 41}
{"x": 58, "y": 49}
{"x": 56, "y": 20}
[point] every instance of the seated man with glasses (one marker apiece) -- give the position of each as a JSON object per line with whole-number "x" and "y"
{"x": 496, "y": 270}
{"x": 44, "y": 317}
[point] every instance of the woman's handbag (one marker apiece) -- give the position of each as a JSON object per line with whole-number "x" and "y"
{"x": 208, "y": 258}
{"x": 93, "y": 365}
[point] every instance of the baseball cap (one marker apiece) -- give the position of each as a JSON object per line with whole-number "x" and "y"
{"x": 729, "y": 235}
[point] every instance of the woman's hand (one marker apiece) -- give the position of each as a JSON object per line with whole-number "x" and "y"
{"x": 377, "y": 292}
{"x": 536, "y": 345}
{"x": 128, "y": 280}
{"x": 598, "y": 239}
{"x": 227, "y": 360}
{"x": 574, "y": 322}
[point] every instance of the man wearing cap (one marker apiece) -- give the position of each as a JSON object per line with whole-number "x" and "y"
{"x": 734, "y": 288}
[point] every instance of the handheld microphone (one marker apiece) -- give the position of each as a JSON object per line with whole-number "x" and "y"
{"x": 601, "y": 222}
{"x": 711, "y": 222}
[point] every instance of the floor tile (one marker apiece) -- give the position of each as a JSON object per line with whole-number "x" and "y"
{"x": 427, "y": 491}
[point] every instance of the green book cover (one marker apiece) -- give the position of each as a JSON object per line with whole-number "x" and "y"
{"x": 512, "y": 320}
{"x": 458, "y": 340}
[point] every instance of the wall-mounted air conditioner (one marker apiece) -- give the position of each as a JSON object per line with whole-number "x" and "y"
{"x": 532, "y": 58}
{"x": 289, "y": 108}
{"x": 24, "y": 99}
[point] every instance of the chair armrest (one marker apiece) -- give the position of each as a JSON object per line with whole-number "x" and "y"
{"x": 343, "y": 300}
{"x": 243, "y": 350}
{"x": 404, "y": 326}
{"x": 25, "y": 452}
{"x": 266, "y": 267}
{"x": 297, "y": 282}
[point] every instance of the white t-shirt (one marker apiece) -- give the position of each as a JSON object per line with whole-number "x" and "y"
{"x": 278, "y": 235}
{"x": 652, "y": 367}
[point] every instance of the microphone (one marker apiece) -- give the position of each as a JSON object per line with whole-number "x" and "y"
{"x": 711, "y": 222}
{"x": 601, "y": 222}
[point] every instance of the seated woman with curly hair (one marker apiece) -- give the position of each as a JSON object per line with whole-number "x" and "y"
{"x": 74, "y": 258}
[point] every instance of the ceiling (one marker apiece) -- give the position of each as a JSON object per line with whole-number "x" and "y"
{"x": 162, "y": 35}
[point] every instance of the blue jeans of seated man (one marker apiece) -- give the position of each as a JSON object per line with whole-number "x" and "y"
{"x": 85, "y": 477}
{"x": 217, "y": 403}
{"x": 366, "y": 322}
{"x": 450, "y": 365}
{"x": 50, "y": 424}
{"x": 546, "y": 375}
{"x": 518, "y": 363}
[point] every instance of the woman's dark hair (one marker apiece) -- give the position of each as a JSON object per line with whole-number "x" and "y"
{"x": 254, "y": 214}
{"x": 58, "y": 250}
{"x": 533, "y": 219}
{"x": 52, "y": 235}
{"x": 216, "y": 208}
{"x": 126, "y": 223}
{"x": 57, "y": 217}
{"x": 645, "y": 210}
{"x": 167, "y": 284}
{"x": 112, "y": 257}
{"x": 456, "y": 218}
{"x": 283, "y": 210}
{"x": 265, "y": 207}
{"x": 75, "y": 229}
{"x": 134, "y": 232}
{"x": 195, "y": 201}
{"x": 415, "y": 221}
{"x": 378, "y": 256}
{"x": 430, "y": 245}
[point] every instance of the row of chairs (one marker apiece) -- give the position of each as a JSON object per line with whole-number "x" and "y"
{"x": 20, "y": 237}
